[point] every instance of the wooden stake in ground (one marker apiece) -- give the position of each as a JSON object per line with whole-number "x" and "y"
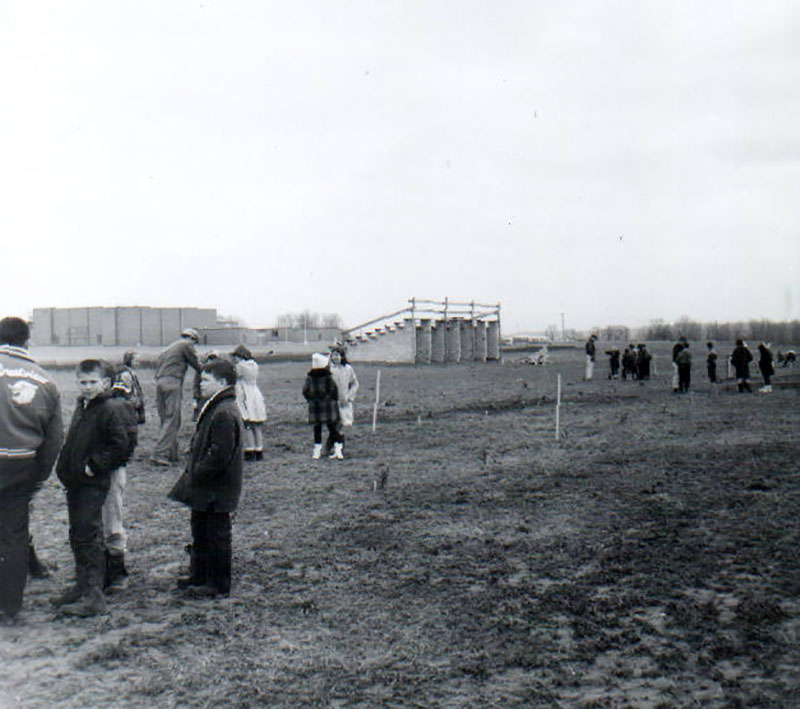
{"x": 558, "y": 408}
{"x": 377, "y": 398}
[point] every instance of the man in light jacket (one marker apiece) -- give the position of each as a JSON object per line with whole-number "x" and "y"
{"x": 171, "y": 369}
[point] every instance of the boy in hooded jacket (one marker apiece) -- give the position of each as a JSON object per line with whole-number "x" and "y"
{"x": 97, "y": 443}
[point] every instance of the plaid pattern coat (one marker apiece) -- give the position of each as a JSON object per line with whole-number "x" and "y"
{"x": 323, "y": 397}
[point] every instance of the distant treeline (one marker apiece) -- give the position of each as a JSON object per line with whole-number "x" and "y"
{"x": 785, "y": 332}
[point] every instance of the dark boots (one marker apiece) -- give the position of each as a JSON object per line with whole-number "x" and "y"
{"x": 198, "y": 569}
{"x": 72, "y": 594}
{"x": 209, "y": 573}
{"x": 36, "y": 567}
{"x": 116, "y": 574}
{"x": 90, "y": 567}
{"x": 93, "y": 603}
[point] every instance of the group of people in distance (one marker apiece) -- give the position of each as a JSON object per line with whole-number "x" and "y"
{"x": 635, "y": 362}
{"x": 740, "y": 360}
{"x": 91, "y": 459}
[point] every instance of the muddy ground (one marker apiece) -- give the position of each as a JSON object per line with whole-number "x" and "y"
{"x": 459, "y": 556}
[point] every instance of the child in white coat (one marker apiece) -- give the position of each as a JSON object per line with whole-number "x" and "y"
{"x": 250, "y": 402}
{"x": 347, "y": 384}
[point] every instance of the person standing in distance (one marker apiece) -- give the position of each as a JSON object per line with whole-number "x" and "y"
{"x": 250, "y": 401}
{"x": 711, "y": 362}
{"x": 684, "y": 362}
{"x": 740, "y": 359}
{"x": 590, "y": 356}
{"x": 171, "y": 369}
{"x": 676, "y": 349}
{"x": 31, "y": 433}
{"x": 344, "y": 377}
{"x": 765, "y": 365}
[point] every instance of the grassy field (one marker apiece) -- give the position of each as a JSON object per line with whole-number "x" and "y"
{"x": 459, "y": 556}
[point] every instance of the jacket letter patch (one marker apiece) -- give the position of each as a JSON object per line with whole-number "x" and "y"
{"x": 22, "y": 392}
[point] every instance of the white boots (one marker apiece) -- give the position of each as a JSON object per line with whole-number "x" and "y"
{"x": 767, "y": 389}
{"x": 337, "y": 452}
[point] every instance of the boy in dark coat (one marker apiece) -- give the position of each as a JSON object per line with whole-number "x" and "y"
{"x": 97, "y": 444}
{"x": 628, "y": 363}
{"x": 643, "y": 358}
{"x": 711, "y": 362}
{"x": 676, "y": 349}
{"x": 740, "y": 359}
{"x": 212, "y": 483}
{"x": 322, "y": 395}
{"x": 684, "y": 362}
{"x": 613, "y": 363}
{"x": 766, "y": 367}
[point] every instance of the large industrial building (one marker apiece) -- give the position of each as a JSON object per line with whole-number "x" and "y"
{"x": 142, "y": 326}
{"x": 129, "y": 326}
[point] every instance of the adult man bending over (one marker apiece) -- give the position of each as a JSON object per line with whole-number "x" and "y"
{"x": 31, "y": 432}
{"x": 171, "y": 369}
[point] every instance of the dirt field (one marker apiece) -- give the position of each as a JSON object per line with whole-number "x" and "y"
{"x": 649, "y": 559}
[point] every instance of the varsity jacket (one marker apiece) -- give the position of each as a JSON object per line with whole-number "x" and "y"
{"x": 30, "y": 413}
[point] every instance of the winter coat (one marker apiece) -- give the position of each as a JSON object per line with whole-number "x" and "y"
{"x": 213, "y": 475}
{"x": 97, "y": 437}
{"x": 684, "y": 358}
{"x": 176, "y": 359}
{"x": 676, "y": 349}
{"x": 590, "y": 349}
{"x": 765, "y": 361}
{"x": 643, "y": 358}
{"x": 248, "y": 396}
{"x": 347, "y": 384}
{"x": 322, "y": 395}
{"x": 30, "y": 415}
{"x": 740, "y": 359}
{"x": 128, "y": 384}
{"x": 131, "y": 419}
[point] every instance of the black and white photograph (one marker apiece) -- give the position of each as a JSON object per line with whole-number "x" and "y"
{"x": 402, "y": 353}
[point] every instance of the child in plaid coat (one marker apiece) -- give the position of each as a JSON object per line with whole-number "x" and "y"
{"x": 322, "y": 396}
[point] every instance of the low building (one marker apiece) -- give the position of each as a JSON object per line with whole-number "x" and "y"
{"x": 127, "y": 326}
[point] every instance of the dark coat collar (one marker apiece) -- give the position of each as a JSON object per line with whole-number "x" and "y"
{"x": 225, "y": 393}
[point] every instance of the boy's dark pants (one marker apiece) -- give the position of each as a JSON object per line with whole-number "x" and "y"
{"x": 211, "y": 549}
{"x": 85, "y": 507}
{"x": 684, "y": 377}
{"x": 14, "y": 502}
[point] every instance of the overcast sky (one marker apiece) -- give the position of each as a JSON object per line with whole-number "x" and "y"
{"x": 614, "y": 161}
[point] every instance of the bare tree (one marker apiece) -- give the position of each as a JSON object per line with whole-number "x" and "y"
{"x": 308, "y": 320}
{"x": 553, "y": 332}
{"x": 332, "y": 320}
